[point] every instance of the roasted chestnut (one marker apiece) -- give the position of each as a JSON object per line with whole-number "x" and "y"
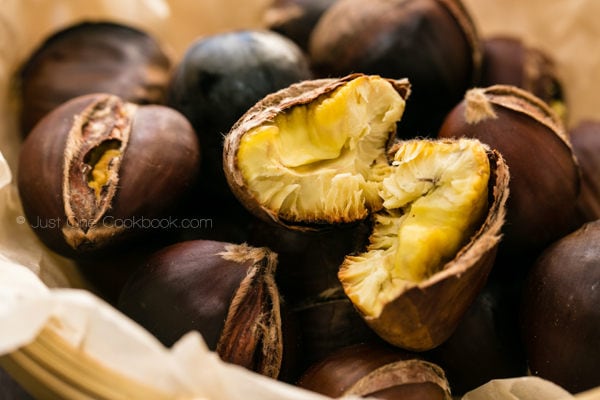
{"x": 507, "y": 60}
{"x": 585, "y": 139}
{"x": 545, "y": 179}
{"x": 376, "y": 371}
{"x": 98, "y": 171}
{"x": 296, "y": 19}
{"x": 308, "y": 260}
{"x": 92, "y": 57}
{"x": 218, "y": 79}
{"x": 560, "y": 314}
{"x": 433, "y": 43}
{"x": 486, "y": 345}
{"x": 327, "y": 324}
{"x": 225, "y": 291}
{"x": 316, "y": 155}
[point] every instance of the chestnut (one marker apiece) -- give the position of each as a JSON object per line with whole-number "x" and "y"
{"x": 486, "y": 344}
{"x": 219, "y": 77}
{"x": 545, "y": 179}
{"x": 433, "y": 43}
{"x": 296, "y": 19}
{"x": 92, "y": 57}
{"x": 225, "y": 291}
{"x": 376, "y": 371}
{"x": 585, "y": 139}
{"x": 308, "y": 260}
{"x": 97, "y": 172}
{"x": 327, "y": 324}
{"x": 508, "y": 60}
{"x": 560, "y": 314}
{"x": 318, "y": 155}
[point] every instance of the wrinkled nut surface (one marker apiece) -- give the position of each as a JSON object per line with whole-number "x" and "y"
{"x": 437, "y": 206}
{"x": 301, "y": 158}
{"x": 96, "y": 163}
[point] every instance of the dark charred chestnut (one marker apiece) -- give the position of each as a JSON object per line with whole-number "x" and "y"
{"x": 225, "y": 291}
{"x": 378, "y": 371}
{"x": 97, "y": 171}
{"x": 585, "y": 139}
{"x": 296, "y": 19}
{"x": 560, "y": 314}
{"x": 433, "y": 43}
{"x": 218, "y": 79}
{"x": 93, "y": 57}
{"x": 544, "y": 182}
{"x": 507, "y": 60}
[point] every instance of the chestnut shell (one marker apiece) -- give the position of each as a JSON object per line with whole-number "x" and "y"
{"x": 425, "y": 314}
{"x": 560, "y": 313}
{"x": 545, "y": 176}
{"x": 157, "y": 170}
{"x": 266, "y": 110}
{"x": 585, "y": 139}
{"x": 433, "y": 43}
{"x": 225, "y": 291}
{"x": 372, "y": 369}
{"x": 91, "y": 57}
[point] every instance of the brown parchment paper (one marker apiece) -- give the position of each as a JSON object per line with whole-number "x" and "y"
{"x": 38, "y": 288}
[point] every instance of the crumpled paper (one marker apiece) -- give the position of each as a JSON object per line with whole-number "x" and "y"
{"x": 37, "y": 287}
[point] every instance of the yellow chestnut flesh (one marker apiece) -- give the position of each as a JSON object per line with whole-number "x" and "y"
{"x": 318, "y": 163}
{"x": 434, "y": 199}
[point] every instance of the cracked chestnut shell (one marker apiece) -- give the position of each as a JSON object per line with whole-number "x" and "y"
{"x": 317, "y": 155}
{"x": 98, "y": 171}
{"x": 560, "y": 317}
{"x": 225, "y": 291}
{"x": 376, "y": 371}
{"x": 433, "y": 43}
{"x": 92, "y": 57}
{"x": 545, "y": 176}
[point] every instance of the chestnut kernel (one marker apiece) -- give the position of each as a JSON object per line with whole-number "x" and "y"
{"x": 317, "y": 155}
{"x": 92, "y": 57}
{"x": 378, "y": 371}
{"x": 560, "y": 318}
{"x": 219, "y": 78}
{"x": 433, "y": 43}
{"x": 545, "y": 177}
{"x": 97, "y": 171}
{"x": 225, "y": 291}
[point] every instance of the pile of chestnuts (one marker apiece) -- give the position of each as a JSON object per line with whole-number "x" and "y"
{"x": 363, "y": 198}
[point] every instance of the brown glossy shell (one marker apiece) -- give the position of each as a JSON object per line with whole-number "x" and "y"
{"x": 425, "y": 315}
{"x": 266, "y": 110}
